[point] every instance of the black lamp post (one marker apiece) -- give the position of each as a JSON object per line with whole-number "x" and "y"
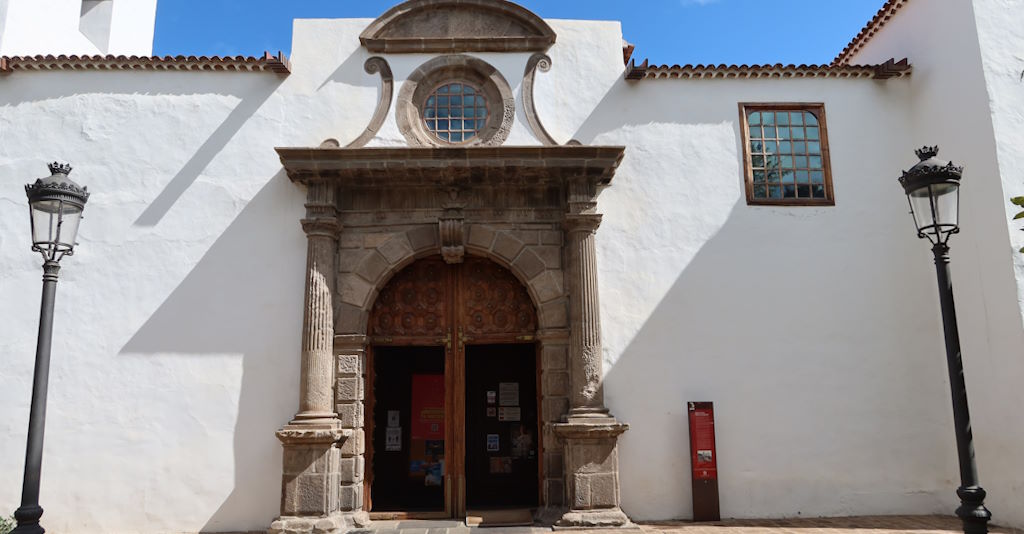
{"x": 933, "y": 188}
{"x": 55, "y": 209}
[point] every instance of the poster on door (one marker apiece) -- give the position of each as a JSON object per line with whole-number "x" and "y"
{"x": 427, "y": 407}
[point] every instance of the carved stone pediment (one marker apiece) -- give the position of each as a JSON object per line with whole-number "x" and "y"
{"x": 458, "y": 26}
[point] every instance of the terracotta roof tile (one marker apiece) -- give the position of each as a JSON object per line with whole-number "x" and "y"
{"x": 873, "y": 26}
{"x": 267, "y": 63}
{"x": 889, "y": 69}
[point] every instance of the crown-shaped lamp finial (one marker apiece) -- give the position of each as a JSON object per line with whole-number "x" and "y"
{"x": 927, "y": 152}
{"x": 60, "y": 168}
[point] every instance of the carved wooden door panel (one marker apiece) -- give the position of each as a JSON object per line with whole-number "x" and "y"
{"x": 432, "y": 303}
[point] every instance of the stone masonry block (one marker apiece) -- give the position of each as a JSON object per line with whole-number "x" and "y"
{"x": 548, "y": 286}
{"x": 551, "y": 237}
{"x": 349, "y": 472}
{"x": 556, "y": 383}
{"x": 302, "y": 460}
{"x": 372, "y": 266}
{"x": 556, "y": 492}
{"x": 349, "y": 389}
{"x": 351, "y": 414}
{"x": 396, "y": 249}
{"x": 553, "y": 465}
{"x": 312, "y": 494}
{"x": 528, "y": 237}
{"x": 529, "y": 264}
{"x": 348, "y": 319}
{"x": 554, "y": 314}
{"x": 350, "y": 240}
{"x": 349, "y": 259}
{"x": 551, "y": 256}
{"x": 349, "y": 364}
{"x": 423, "y": 237}
{"x": 507, "y": 246}
{"x": 554, "y": 357}
{"x": 480, "y": 236}
{"x": 555, "y": 408}
{"x": 354, "y": 445}
{"x": 351, "y": 497}
{"x": 353, "y": 290}
{"x": 603, "y": 492}
{"x": 581, "y": 493}
{"x": 375, "y": 240}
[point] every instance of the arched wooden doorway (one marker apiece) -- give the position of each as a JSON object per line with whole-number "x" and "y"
{"x": 452, "y": 392}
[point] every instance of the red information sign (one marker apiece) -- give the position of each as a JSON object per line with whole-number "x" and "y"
{"x": 703, "y": 461}
{"x": 427, "y": 407}
{"x": 703, "y": 457}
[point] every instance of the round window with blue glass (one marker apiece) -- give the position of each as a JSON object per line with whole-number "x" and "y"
{"x": 455, "y": 112}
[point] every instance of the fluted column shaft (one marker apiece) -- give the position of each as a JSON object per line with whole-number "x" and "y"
{"x": 316, "y": 392}
{"x": 584, "y": 316}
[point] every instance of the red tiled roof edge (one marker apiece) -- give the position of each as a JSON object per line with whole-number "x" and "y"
{"x": 278, "y": 64}
{"x": 889, "y": 69}
{"x": 887, "y": 11}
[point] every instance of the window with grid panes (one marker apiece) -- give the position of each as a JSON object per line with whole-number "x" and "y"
{"x": 455, "y": 112}
{"x": 786, "y": 152}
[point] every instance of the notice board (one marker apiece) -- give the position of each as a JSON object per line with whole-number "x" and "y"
{"x": 703, "y": 461}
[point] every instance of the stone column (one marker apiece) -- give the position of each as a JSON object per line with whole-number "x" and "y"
{"x": 311, "y": 480}
{"x": 589, "y": 433}
{"x": 585, "y": 364}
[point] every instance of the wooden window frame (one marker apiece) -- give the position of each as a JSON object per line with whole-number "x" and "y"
{"x": 818, "y": 109}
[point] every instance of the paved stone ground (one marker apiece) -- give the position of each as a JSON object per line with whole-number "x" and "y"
{"x": 838, "y": 525}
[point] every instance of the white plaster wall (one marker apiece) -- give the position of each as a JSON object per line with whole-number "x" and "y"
{"x": 33, "y": 27}
{"x": 967, "y": 100}
{"x": 177, "y": 342}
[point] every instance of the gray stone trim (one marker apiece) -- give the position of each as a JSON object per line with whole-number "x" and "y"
{"x": 446, "y": 26}
{"x": 501, "y": 103}
{"x": 541, "y": 62}
{"x": 376, "y": 65}
{"x": 506, "y": 166}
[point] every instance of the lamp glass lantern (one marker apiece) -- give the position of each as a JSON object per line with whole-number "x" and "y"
{"x": 933, "y": 189}
{"x": 55, "y": 208}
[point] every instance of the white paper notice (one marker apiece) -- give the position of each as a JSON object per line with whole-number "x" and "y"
{"x": 508, "y": 394}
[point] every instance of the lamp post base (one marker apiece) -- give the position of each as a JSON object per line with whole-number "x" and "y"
{"x": 972, "y": 510}
{"x": 28, "y": 520}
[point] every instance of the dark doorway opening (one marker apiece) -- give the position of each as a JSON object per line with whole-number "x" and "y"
{"x": 408, "y": 429}
{"x": 501, "y": 426}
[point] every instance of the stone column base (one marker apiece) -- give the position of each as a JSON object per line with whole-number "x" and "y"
{"x": 592, "y": 472}
{"x": 332, "y": 524}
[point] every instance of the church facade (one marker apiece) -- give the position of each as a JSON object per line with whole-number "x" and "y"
{"x": 460, "y": 258}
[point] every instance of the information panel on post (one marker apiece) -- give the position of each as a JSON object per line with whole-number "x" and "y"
{"x": 703, "y": 461}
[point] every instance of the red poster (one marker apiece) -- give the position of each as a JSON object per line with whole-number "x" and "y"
{"x": 703, "y": 457}
{"x": 427, "y": 407}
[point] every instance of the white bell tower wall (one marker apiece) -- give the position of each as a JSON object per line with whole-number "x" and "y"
{"x": 80, "y": 27}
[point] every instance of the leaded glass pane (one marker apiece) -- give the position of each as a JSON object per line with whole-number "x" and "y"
{"x": 449, "y": 104}
{"x": 786, "y": 155}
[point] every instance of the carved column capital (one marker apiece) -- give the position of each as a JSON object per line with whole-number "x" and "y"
{"x": 322, "y": 227}
{"x": 582, "y": 222}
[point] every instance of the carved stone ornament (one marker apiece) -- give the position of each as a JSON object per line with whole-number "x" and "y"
{"x": 376, "y": 65}
{"x": 542, "y": 63}
{"x": 312, "y": 435}
{"x": 451, "y": 226}
{"x": 447, "y": 26}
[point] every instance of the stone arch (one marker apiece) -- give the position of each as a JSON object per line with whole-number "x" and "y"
{"x": 419, "y": 26}
{"x": 358, "y": 290}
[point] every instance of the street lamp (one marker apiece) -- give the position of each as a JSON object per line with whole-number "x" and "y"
{"x": 933, "y": 189}
{"x": 55, "y": 209}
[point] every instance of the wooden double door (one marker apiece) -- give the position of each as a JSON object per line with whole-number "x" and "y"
{"x": 452, "y": 393}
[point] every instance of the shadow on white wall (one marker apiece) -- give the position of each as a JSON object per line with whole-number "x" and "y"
{"x": 244, "y": 297}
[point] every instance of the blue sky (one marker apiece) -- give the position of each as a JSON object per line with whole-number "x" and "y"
{"x": 666, "y": 31}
